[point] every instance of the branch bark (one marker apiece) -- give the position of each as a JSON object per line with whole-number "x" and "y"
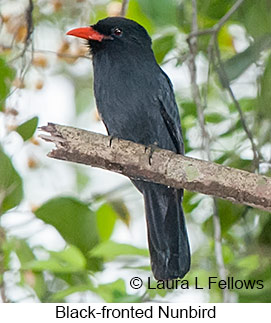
{"x": 164, "y": 167}
{"x": 124, "y": 7}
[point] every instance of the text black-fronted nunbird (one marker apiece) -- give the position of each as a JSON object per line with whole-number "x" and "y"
{"x": 136, "y": 102}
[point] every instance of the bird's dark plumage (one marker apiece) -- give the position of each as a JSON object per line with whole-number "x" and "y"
{"x": 136, "y": 102}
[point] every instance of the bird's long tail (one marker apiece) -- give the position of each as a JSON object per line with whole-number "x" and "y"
{"x": 167, "y": 235}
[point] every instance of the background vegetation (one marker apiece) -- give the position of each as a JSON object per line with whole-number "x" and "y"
{"x": 70, "y": 233}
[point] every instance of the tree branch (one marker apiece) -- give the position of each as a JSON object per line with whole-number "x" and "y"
{"x": 166, "y": 167}
{"x": 124, "y": 7}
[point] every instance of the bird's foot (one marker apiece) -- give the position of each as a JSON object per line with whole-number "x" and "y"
{"x": 151, "y": 149}
{"x": 110, "y": 140}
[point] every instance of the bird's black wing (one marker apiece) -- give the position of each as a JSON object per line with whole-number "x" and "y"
{"x": 170, "y": 113}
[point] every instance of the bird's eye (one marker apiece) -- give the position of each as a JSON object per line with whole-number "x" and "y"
{"x": 117, "y": 32}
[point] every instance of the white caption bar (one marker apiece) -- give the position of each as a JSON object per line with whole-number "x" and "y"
{"x": 148, "y": 311}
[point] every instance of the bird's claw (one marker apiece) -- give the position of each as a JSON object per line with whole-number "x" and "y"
{"x": 110, "y": 140}
{"x": 151, "y": 148}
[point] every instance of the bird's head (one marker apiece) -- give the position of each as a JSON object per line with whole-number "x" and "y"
{"x": 116, "y": 34}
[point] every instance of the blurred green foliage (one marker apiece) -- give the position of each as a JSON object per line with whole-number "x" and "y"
{"x": 87, "y": 227}
{"x": 10, "y": 184}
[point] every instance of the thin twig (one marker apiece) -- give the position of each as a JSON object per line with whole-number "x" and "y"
{"x": 214, "y": 43}
{"x": 215, "y": 29}
{"x": 3, "y": 294}
{"x": 227, "y": 16}
{"x": 192, "y": 43}
{"x": 218, "y": 250}
{"x": 29, "y": 24}
{"x": 226, "y": 84}
{"x": 29, "y": 28}
{"x": 28, "y": 40}
{"x": 216, "y": 218}
{"x": 124, "y": 7}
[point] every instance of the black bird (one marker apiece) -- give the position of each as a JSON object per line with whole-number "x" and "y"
{"x": 136, "y": 102}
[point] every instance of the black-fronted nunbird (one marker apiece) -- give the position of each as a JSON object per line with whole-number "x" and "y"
{"x": 136, "y": 102}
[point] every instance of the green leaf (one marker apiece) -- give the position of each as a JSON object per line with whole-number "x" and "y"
{"x": 106, "y": 219}
{"x": 153, "y": 291}
{"x": 261, "y": 272}
{"x": 23, "y": 251}
{"x": 265, "y": 236}
{"x": 214, "y": 9}
{"x": 236, "y": 65}
{"x": 189, "y": 108}
{"x": 188, "y": 204}
{"x": 226, "y": 41}
{"x": 202, "y": 276}
{"x": 162, "y": 12}
{"x": 229, "y": 214}
{"x": 214, "y": 117}
{"x": 110, "y": 250}
{"x": 39, "y": 285}
{"x": 82, "y": 179}
{"x": 7, "y": 74}
{"x": 60, "y": 296}
{"x": 136, "y": 13}
{"x": 109, "y": 292}
{"x": 228, "y": 254}
{"x": 83, "y": 99}
{"x": 162, "y": 45}
{"x": 73, "y": 220}
{"x": 121, "y": 210}
{"x": 235, "y": 128}
{"x": 75, "y": 278}
{"x": 247, "y": 105}
{"x": 33, "y": 279}
{"x": 115, "y": 292}
{"x": 249, "y": 263}
{"x": 27, "y": 129}
{"x": 69, "y": 260}
{"x": 6, "y": 251}
{"x": 255, "y": 16}
{"x": 244, "y": 164}
{"x": 95, "y": 264}
{"x": 260, "y": 295}
{"x": 11, "y": 186}
{"x": 264, "y": 97}
{"x": 188, "y": 121}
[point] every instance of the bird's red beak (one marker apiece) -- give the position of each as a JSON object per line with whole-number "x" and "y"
{"x": 86, "y": 33}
